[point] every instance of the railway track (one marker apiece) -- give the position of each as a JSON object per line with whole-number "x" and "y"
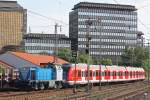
{"x": 66, "y": 94}
{"x": 116, "y": 92}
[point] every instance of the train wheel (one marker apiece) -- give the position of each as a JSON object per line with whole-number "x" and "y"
{"x": 59, "y": 85}
{"x": 36, "y": 87}
{"x": 55, "y": 86}
{"x": 42, "y": 86}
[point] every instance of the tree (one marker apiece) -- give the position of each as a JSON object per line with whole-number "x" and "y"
{"x": 146, "y": 66}
{"x": 83, "y": 58}
{"x": 96, "y": 61}
{"x": 65, "y": 54}
{"x": 14, "y": 48}
{"x": 106, "y": 62}
{"x": 134, "y": 56}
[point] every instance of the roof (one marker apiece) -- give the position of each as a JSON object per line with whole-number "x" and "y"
{"x": 3, "y": 64}
{"x": 104, "y": 5}
{"x": 44, "y": 36}
{"x": 9, "y": 5}
{"x": 10, "y": 59}
{"x": 38, "y": 59}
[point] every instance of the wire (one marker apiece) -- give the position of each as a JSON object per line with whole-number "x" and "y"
{"x": 142, "y": 7}
{"x": 49, "y": 18}
{"x": 148, "y": 28}
{"x": 115, "y": 1}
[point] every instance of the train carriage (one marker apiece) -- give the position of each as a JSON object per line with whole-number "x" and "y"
{"x": 97, "y": 73}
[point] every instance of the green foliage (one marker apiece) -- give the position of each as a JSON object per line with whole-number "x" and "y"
{"x": 134, "y": 57}
{"x": 106, "y": 62}
{"x": 96, "y": 62}
{"x": 65, "y": 54}
{"x": 83, "y": 58}
{"x": 14, "y": 48}
{"x": 146, "y": 66}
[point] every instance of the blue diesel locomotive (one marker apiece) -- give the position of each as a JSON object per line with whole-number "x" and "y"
{"x": 41, "y": 78}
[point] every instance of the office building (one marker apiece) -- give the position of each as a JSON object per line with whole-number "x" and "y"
{"x": 45, "y": 43}
{"x": 13, "y": 22}
{"x": 113, "y": 28}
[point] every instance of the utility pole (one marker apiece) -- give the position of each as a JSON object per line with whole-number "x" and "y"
{"x": 100, "y": 75}
{"x": 56, "y": 43}
{"x": 75, "y": 79}
{"x": 88, "y": 38}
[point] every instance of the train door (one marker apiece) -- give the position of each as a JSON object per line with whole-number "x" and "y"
{"x": 114, "y": 75}
{"x": 94, "y": 76}
{"x": 130, "y": 74}
{"x": 83, "y": 76}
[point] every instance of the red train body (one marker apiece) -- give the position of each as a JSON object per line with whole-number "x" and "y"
{"x": 97, "y": 73}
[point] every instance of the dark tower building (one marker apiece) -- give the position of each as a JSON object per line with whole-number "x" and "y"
{"x": 113, "y": 28}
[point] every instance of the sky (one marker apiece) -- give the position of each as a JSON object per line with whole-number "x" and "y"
{"x": 57, "y": 11}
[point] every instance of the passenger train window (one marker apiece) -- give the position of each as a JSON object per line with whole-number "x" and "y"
{"x": 105, "y": 73}
{"x": 91, "y": 73}
{"x": 126, "y": 73}
{"x": 114, "y": 73}
{"x": 130, "y": 73}
{"x": 79, "y": 73}
{"x": 120, "y": 73}
{"x": 97, "y": 73}
{"x": 108, "y": 73}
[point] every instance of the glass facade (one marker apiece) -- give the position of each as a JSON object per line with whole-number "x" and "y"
{"x": 44, "y": 43}
{"x": 113, "y": 28}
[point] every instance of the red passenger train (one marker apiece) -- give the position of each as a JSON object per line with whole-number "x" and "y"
{"x": 101, "y": 73}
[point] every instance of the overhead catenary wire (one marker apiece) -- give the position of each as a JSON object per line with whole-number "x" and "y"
{"x": 115, "y": 1}
{"x": 48, "y": 18}
{"x": 146, "y": 27}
